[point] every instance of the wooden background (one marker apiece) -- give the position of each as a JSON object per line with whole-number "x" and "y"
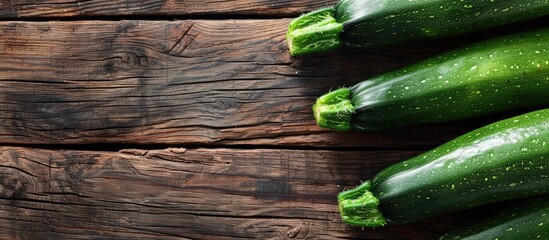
{"x": 150, "y": 119}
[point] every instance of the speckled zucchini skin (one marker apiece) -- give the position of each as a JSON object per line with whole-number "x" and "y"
{"x": 375, "y": 23}
{"x": 505, "y": 160}
{"x": 528, "y": 220}
{"x": 495, "y": 76}
{"x": 372, "y": 23}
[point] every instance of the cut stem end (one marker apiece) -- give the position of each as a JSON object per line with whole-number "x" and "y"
{"x": 314, "y": 32}
{"x": 334, "y": 110}
{"x": 359, "y": 207}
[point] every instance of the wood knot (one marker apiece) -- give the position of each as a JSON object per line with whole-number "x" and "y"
{"x": 300, "y": 232}
{"x": 177, "y": 150}
{"x": 136, "y": 152}
{"x": 11, "y": 185}
{"x": 135, "y": 59}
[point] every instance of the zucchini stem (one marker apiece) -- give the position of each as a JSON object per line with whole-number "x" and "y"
{"x": 359, "y": 207}
{"x": 314, "y": 32}
{"x": 334, "y": 110}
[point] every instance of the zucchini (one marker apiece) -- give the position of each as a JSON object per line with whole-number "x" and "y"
{"x": 505, "y": 160}
{"x": 497, "y": 75}
{"x": 374, "y": 23}
{"x": 529, "y": 220}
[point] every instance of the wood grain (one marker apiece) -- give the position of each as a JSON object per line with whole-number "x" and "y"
{"x": 156, "y": 8}
{"x": 183, "y": 82}
{"x": 189, "y": 193}
{"x": 225, "y": 88}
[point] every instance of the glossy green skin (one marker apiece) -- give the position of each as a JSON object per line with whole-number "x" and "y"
{"x": 495, "y": 76}
{"x": 372, "y": 23}
{"x": 529, "y": 220}
{"x": 505, "y": 160}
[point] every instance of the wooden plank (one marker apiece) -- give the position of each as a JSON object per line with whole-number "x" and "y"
{"x": 190, "y": 193}
{"x": 162, "y": 8}
{"x": 183, "y": 82}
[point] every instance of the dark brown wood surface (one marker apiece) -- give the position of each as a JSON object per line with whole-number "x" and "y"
{"x": 181, "y": 82}
{"x": 155, "y": 8}
{"x": 119, "y": 122}
{"x": 191, "y": 193}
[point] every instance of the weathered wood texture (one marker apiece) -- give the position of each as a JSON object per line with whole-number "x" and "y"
{"x": 205, "y": 83}
{"x": 194, "y": 193}
{"x": 182, "y": 82}
{"x": 134, "y": 8}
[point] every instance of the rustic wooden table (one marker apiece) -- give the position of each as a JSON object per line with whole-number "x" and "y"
{"x": 119, "y": 121}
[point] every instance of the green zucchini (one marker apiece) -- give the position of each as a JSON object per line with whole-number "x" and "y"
{"x": 497, "y": 75}
{"x": 528, "y": 220}
{"x": 374, "y": 23}
{"x": 505, "y": 160}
